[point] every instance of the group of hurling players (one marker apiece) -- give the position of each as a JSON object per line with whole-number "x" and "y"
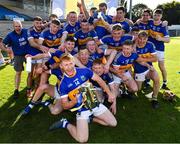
{"x": 96, "y": 59}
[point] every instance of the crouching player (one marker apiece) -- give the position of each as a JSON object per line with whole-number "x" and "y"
{"x": 146, "y": 50}
{"x": 98, "y": 68}
{"x": 121, "y": 69}
{"x": 73, "y": 80}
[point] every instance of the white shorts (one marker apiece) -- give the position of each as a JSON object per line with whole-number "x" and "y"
{"x": 98, "y": 110}
{"x": 160, "y": 55}
{"x": 119, "y": 80}
{"x": 141, "y": 76}
{"x": 56, "y": 94}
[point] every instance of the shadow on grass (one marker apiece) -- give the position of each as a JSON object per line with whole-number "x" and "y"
{"x": 13, "y": 105}
{"x": 3, "y": 66}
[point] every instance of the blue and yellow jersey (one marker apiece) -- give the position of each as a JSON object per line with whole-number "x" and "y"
{"x": 124, "y": 63}
{"x": 100, "y": 29}
{"x": 157, "y": 30}
{"x": 145, "y": 52}
{"x": 106, "y": 77}
{"x": 143, "y": 26}
{"x": 51, "y": 40}
{"x": 72, "y": 29}
{"x": 95, "y": 55}
{"x": 70, "y": 86}
{"x": 125, "y": 25}
{"x": 108, "y": 40}
{"x": 55, "y": 57}
{"x": 100, "y": 26}
{"x": 18, "y": 42}
{"x": 82, "y": 38}
{"x": 33, "y": 34}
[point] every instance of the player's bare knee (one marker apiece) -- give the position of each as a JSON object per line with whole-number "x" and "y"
{"x": 113, "y": 123}
{"x": 82, "y": 139}
{"x": 55, "y": 111}
{"x": 134, "y": 89}
{"x": 44, "y": 87}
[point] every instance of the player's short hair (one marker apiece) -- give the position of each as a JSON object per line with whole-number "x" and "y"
{"x": 70, "y": 38}
{"x": 117, "y": 27}
{"x": 53, "y": 16}
{"x": 103, "y": 5}
{"x": 93, "y": 9}
{"x": 143, "y": 34}
{"x": 91, "y": 39}
{"x": 128, "y": 42}
{"x": 72, "y": 12}
{"x": 97, "y": 61}
{"x": 147, "y": 11}
{"x": 84, "y": 21}
{"x": 158, "y": 11}
{"x": 56, "y": 22}
{"x": 121, "y": 8}
{"x": 66, "y": 56}
{"x": 81, "y": 48}
{"x": 37, "y": 18}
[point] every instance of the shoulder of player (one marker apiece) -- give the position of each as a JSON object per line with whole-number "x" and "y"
{"x": 107, "y": 37}
{"x": 148, "y": 43}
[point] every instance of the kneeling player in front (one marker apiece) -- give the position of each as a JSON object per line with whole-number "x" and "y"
{"x": 76, "y": 79}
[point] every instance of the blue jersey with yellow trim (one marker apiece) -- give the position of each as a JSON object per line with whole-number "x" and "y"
{"x": 55, "y": 57}
{"x": 51, "y": 40}
{"x": 18, "y": 42}
{"x": 124, "y": 63}
{"x": 157, "y": 30}
{"x": 72, "y": 29}
{"x": 100, "y": 29}
{"x": 69, "y": 84}
{"x": 143, "y": 26}
{"x": 115, "y": 44}
{"x": 82, "y": 38}
{"x": 33, "y": 34}
{"x": 125, "y": 25}
{"x": 145, "y": 52}
{"x": 99, "y": 25}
